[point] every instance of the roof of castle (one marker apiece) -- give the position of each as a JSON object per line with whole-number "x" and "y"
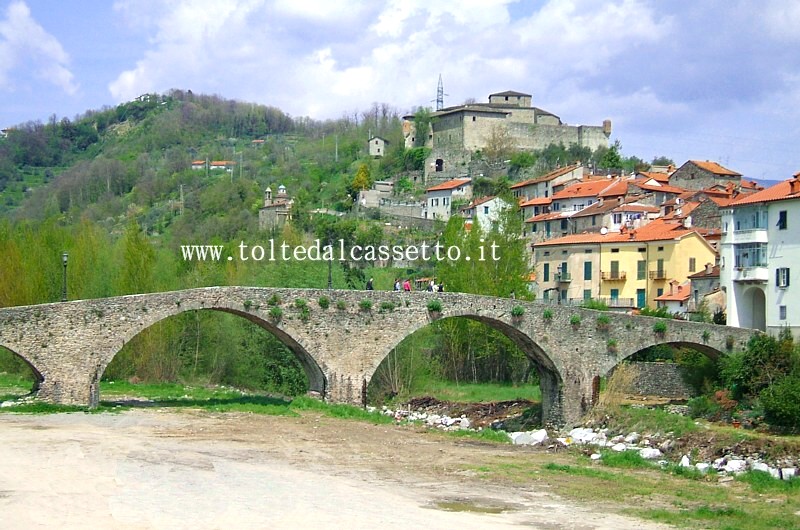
{"x": 510, "y": 93}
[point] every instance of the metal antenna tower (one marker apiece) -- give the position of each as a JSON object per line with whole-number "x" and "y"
{"x": 440, "y": 94}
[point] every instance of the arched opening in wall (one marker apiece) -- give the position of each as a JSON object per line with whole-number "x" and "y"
{"x": 668, "y": 373}
{"x": 212, "y": 352}
{"x": 439, "y": 165}
{"x": 17, "y": 377}
{"x": 476, "y": 366}
{"x": 754, "y": 313}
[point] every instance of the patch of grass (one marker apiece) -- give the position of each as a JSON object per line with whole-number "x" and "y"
{"x": 629, "y": 419}
{"x": 763, "y": 482}
{"x": 487, "y": 435}
{"x": 625, "y": 460}
{"x": 337, "y": 410}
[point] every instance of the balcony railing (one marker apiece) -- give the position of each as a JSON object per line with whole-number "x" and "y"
{"x": 610, "y": 302}
{"x": 751, "y": 274}
{"x": 563, "y": 277}
{"x": 618, "y": 276}
{"x": 659, "y": 274}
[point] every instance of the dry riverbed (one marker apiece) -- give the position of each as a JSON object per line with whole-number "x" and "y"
{"x": 157, "y": 468}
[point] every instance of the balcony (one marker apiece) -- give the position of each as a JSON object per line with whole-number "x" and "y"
{"x": 659, "y": 274}
{"x": 753, "y": 235}
{"x": 751, "y": 274}
{"x": 618, "y": 276}
{"x": 562, "y": 277}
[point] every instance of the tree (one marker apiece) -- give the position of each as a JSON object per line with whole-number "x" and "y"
{"x": 423, "y": 119}
{"x": 662, "y": 161}
{"x": 138, "y": 260}
{"x": 361, "y": 181}
{"x": 612, "y": 159}
{"x": 499, "y": 146}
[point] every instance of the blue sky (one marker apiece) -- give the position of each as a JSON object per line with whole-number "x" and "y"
{"x": 716, "y": 80}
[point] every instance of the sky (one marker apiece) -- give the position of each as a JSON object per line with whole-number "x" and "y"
{"x": 713, "y": 80}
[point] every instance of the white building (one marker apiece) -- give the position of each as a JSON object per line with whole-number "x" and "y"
{"x": 439, "y": 199}
{"x": 758, "y": 248}
{"x": 377, "y": 146}
{"x": 486, "y": 211}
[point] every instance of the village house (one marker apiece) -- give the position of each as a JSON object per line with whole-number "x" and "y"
{"x": 758, "y": 250}
{"x": 439, "y": 199}
{"x": 485, "y": 210}
{"x": 377, "y": 146}
{"x": 676, "y": 299}
{"x": 698, "y": 175}
{"x": 547, "y": 185}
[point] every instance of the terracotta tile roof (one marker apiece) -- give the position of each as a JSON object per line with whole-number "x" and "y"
{"x": 750, "y": 185}
{"x": 713, "y": 273}
{"x": 547, "y": 177}
{"x": 587, "y": 188}
{"x": 478, "y": 202}
{"x": 450, "y": 184}
{"x": 538, "y": 201}
{"x": 681, "y": 293}
{"x": 657, "y": 176}
{"x": 788, "y": 189}
{"x": 664, "y": 188}
{"x": 618, "y": 187}
{"x": 644, "y": 208}
{"x": 657, "y": 230}
{"x": 715, "y": 168}
{"x": 545, "y": 217}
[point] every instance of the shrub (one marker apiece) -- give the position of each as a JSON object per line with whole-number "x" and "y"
{"x": 324, "y": 302}
{"x": 275, "y": 313}
{"x": 248, "y": 304}
{"x": 517, "y": 311}
{"x": 435, "y": 306}
{"x": 575, "y": 320}
{"x": 341, "y": 305}
{"x": 706, "y": 336}
{"x": 547, "y": 314}
{"x": 781, "y": 402}
{"x": 704, "y": 407}
{"x": 603, "y": 322}
{"x": 611, "y": 345}
{"x": 301, "y": 303}
{"x": 597, "y": 305}
{"x": 274, "y": 300}
{"x": 365, "y": 305}
{"x": 659, "y": 312}
{"x": 305, "y": 313}
{"x": 387, "y": 307}
{"x": 660, "y": 328}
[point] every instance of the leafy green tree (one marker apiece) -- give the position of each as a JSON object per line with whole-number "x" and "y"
{"x": 362, "y": 180}
{"x": 423, "y": 119}
{"x": 137, "y": 262}
{"x": 612, "y": 159}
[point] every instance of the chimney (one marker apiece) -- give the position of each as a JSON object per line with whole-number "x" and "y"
{"x": 672, "y": 285}
{"x": 632, "y": 235}
{"x": 708, "y": 268}
{"x": 794, "y": 184}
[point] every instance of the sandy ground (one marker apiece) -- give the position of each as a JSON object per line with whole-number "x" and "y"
{"x": 194, "y": 469}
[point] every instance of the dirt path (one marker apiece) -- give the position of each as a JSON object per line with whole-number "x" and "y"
{"x": 198, "y": 470}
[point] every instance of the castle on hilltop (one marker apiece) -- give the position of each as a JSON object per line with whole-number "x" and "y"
{"x": 457, "y": 132}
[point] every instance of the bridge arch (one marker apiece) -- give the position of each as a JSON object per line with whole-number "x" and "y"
{"x": 37, "y": 373}
{"x": 317, "y": 381}
{"x": 550, "y": 379}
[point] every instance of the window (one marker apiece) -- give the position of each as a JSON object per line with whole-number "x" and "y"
{"x": 782, "y": 277}
{"x": 486, "y": 210}
{"x": 564, "y": 224}
{"x": 614, "y": 250}
{"x": 587, "y": 270}
{"x": 659, "y": 292}
{"x": 546, "y": 252}
{"x": 782, "y": 312}
{"x": 473, "y": 118}
{"x": 587, "y": 251}
{"x": 692, "y": 264}
{"x": 615, "y": 294}
{"x": 641, "y": 270}
{"x": 594, "y": 220}
{"x": 547, "y": 272}
{"x": 782, "y": 220}
{"x": 642, "y": 249}
{"x": 617, "y": 218}
{"x": 614, "y": 270}
{"x": 587, "y": 294}
{"x": 661, "y": 249}
{"x": 533, "y": 227}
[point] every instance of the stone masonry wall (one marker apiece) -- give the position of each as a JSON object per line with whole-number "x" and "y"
{"x": 662, "y": 380}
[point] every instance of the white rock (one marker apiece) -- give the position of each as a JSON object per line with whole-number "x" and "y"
{"x": 596, "y": 456}
{"x": 685, "y": 461}
{"x": 761, "y": 466}
{"x": 520, "y": 438}
{"x": 582, "y": 435}
{"x": 564, "y": 441}
{"x": 538, "y": 437}
{"x": 632, "y": 438}
{"x": 433, "y": 419}
{"x": 650, "y": 453}
{"x": 735, "y": 466}
{"x": 718, "y": 463}
{"x": 702, "y": 467}
{"x": 465, "y": 424}
{"x": 619, "y": 447}
{"x": 5, "y": 404}
{"x": 617, "y": 439}
{"x": 788, "y": 472}
{"x": 775, "y": 472}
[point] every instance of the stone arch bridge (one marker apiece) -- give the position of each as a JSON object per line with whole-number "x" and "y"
{"x": 69, "y": 345}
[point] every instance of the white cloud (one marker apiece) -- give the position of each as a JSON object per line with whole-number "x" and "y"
{"x": 23, "y": 42}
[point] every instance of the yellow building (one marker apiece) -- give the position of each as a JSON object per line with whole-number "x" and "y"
{"x": 626, "y": 269}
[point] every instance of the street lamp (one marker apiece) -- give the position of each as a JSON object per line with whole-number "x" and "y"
{"x": 64, "y": 257}
{"x": 330, "y": 266}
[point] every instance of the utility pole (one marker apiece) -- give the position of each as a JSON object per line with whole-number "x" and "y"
{"x": 336, "y": 151}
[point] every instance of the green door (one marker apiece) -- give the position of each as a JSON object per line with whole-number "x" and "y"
{"x": 641, "y": 298}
